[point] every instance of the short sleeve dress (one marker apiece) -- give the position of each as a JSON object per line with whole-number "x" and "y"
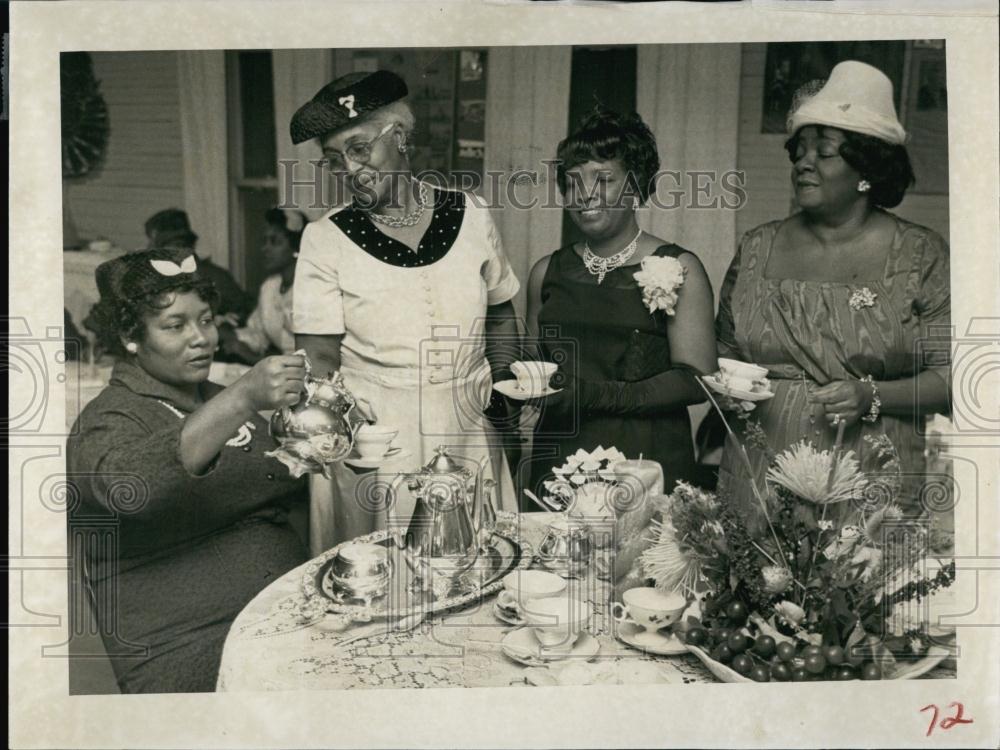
{"x": 413, "y": 326}
{"x": 815, "y": 332}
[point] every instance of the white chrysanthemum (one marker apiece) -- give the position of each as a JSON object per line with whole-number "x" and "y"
{"x": 777, "y": 579}
{"x": 667, "y": 563}
{"x": 804, "y": 471}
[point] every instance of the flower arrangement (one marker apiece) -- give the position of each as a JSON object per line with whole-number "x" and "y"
{"x": 660, "y": 279}
{"x": 582, "y": 482}
{"x": 823, "y": 581}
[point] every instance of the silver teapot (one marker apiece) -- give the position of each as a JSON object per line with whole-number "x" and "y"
{"x": 453, "y": 515}
{"x": 320, "y": 429}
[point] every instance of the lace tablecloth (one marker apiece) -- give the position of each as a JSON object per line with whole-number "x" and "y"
{"x": 269, "y": 648}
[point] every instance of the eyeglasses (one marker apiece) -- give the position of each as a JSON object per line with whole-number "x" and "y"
{"x": 359, "y": 152}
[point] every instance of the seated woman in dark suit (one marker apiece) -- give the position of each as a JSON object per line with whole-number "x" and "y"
{"x": 198, "y": 514}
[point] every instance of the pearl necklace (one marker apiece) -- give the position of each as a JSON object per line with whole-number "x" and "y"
{"x": 601, "y": 267}
{"x": 410, "y": 219}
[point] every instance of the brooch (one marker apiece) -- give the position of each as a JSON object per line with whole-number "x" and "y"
{"x": 863, "y": 297}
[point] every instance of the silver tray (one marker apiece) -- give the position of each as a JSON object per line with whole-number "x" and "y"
{"x": 505, "y": 553}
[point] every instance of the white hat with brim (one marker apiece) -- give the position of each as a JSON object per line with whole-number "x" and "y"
{"x": 857, "y": 97}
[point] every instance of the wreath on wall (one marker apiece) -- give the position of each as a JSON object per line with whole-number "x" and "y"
{"x": 85, "y": 129}
{"x": 85, "y": 125}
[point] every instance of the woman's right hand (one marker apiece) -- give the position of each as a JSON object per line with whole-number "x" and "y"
{"x": 274, "y": 382}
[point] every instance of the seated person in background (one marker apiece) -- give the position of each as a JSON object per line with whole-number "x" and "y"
{"x": 269, "y": 327}
{"x": 178, "y": 463}
{"x": 170, "y": 229}
{"x": 76, "y": 342}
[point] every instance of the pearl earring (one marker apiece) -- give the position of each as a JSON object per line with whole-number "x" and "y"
{"x": 864, "y": 186}
{"x": 131, "y": 347}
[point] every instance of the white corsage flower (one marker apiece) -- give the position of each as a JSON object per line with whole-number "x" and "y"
{"x": 660, "y": 278}
{"x": 863, "y": 297}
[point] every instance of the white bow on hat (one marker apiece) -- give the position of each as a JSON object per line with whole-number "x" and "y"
{"x": 169, "y": 268}
{"x": 857, "y": 97}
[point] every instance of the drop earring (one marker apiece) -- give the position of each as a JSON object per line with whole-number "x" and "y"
{"x": 864, "y": 186}
{"x": 131, "y": 347}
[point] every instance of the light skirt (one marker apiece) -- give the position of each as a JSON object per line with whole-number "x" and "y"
{"x": 427, "y": 415}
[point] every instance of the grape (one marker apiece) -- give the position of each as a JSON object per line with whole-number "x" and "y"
{"x": 786, "y": 651}
{"x": 738, "y": 642}
{"x": 871, "y": 671}
{"x": 765, "y": 647}
{"x": 834, "y": 654}
{"x": 743, "y": 663}
{"x": 815, "y": 663}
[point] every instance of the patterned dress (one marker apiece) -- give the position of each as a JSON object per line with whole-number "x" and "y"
{"x": 810, "y": 333}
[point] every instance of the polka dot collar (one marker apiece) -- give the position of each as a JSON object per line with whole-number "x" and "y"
{"x": 446, "y": 222}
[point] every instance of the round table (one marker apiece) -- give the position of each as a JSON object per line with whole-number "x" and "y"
{"x": 269, "y": 647}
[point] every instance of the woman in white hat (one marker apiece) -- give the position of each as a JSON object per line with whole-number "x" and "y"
{"x": 407, "y": 292}
{"x": 847, "y": 305}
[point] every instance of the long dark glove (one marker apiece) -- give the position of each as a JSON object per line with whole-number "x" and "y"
{"x": 664, "y": 392}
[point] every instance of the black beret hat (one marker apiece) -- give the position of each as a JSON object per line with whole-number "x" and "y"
{"x": 343, "y": 100}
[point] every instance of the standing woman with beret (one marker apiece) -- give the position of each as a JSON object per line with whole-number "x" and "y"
{"x": 847, "y": 305}
{"x": 407, "y": 292}
{"x": 177, "y": 464}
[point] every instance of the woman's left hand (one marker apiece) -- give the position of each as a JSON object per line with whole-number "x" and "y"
{"x": 843, "y": 400}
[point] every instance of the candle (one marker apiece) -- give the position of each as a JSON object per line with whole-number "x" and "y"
{"x": 643, "y": 477}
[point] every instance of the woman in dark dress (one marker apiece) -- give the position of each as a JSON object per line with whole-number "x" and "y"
{"x": 626, "y": 316}
{"x": 173, "y": 467}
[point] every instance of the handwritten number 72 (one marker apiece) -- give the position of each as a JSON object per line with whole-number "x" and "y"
{"x": 949, "y": 721}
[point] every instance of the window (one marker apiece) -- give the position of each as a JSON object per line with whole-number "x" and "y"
{"x": 253, "y": 160}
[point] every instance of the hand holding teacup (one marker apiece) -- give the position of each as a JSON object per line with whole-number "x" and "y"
{"x": 742, "y": 376}
{"x": 533, "y": 377}
{"x": 650, "y": 609}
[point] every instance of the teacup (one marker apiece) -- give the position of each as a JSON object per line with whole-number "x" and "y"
{"x": 522, "y": 586}
{"x": 650, "y": 609}
{"x": 374, "y": 441}
{"x": 741, "y": 376}
{"x": 533, "y": 377}
{"x": 557, "y": 621}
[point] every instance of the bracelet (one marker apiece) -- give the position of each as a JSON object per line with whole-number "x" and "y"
{"x": 876, "y": 407}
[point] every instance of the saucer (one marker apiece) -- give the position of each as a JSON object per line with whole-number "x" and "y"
{"x": 506, "y": 615}
{"x": 511, "y": 389}
{"x": 522, "y": 646}
{"x": 374, "y": 463}
{"x": 713, "y": 382}
{"x": 668, "y": 645}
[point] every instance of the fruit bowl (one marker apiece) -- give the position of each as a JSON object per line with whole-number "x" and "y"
{"x": 906, "y": 671}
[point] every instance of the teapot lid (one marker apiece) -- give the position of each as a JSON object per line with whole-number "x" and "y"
{"x": 443, "y": 463}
